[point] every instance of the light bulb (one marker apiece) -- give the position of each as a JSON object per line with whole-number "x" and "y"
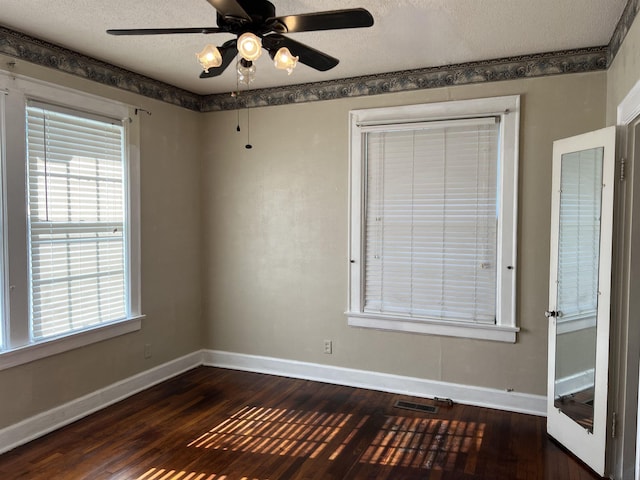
{"x": 249, "y": 46}
{"x": 209, "y": 57}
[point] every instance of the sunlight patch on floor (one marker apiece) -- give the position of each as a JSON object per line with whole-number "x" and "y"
{"x": 349, "y": 438}
{"x": 164, "y": 474}
{"x": 424, "y": 443}
{"x": 274, "y": 431}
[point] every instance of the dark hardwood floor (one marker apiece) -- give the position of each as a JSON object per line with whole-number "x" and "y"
{"x": 216, "y": 424}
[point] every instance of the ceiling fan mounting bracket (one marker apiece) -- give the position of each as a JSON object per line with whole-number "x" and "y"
{"x": 258, "y": 12}
{"x": 232, "y": 22}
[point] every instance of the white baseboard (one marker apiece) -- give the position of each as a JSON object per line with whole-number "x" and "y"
{"x": 43, "y": 423}
{"x": 465, "y": 394}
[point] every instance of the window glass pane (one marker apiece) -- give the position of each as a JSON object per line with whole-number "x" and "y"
{"x": 76, "y": 221}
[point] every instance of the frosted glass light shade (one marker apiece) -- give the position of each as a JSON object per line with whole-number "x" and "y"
{"x": 209, "y": 57}
{"x": 249, "y": 46}
{"x": 284, "y": 60}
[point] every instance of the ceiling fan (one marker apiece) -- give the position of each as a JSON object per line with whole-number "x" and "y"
{"x": 256, "y": 26}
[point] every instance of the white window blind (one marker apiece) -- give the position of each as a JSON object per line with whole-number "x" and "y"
{"x": 76, "y": 186}
{"x": 431, "y": 221}
{"x": 579, "y": 234}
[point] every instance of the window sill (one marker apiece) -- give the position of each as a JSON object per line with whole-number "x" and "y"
{"x": 46, "y": 348}
{"x": 496, "y": 333}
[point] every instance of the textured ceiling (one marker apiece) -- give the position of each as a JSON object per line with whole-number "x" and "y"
{"x": 407, "y": 34}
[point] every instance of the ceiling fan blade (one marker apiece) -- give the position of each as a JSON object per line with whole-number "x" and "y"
{"x": 230, "y": 8}
{"x": 330, "y": 20}
{"x": 228, "y": 52}
{"x": 309, "y": 56}
{"x": 162, "y": 31}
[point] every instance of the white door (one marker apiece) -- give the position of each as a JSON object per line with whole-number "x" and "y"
{"x": 579, "y": 293}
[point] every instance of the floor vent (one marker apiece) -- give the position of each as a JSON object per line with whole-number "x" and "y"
{"x": 416, "y": 407}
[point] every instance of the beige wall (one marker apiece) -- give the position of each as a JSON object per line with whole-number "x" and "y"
{"x": 275, "y": 236}
{"x": 171, "y": 245}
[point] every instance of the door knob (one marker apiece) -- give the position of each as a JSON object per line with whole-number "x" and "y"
{"x": 551, "y": 313}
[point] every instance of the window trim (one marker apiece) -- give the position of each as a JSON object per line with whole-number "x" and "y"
{"x": 508, "y": 109}
{"x": 19, "y": 348}
{"x": 81, "y": 338}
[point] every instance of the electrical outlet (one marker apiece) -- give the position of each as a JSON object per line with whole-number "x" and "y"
{"x": 147, "y": 350}
{"x": 328, "y": 346}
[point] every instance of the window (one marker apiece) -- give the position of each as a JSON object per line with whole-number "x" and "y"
{"x": 76, "y": 220}
{"x": 72, "y": 220}
{"x": 433, "y": 218}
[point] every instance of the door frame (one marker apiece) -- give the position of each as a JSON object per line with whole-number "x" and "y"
{"x": 626, "y": 394}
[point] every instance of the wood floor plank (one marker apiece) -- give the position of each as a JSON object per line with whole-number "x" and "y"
{"x": 217, "y": 424}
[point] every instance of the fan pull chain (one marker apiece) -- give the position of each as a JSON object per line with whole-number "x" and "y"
{"x": 248, "y": 146}
{"x": 237, "y": 95}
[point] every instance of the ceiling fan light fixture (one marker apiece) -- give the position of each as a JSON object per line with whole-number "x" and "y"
{"x": 209, "y": 57}
{"x": 284, "y": 60}
{"x": 254, "y": 22}
{"x": 249, "y": 46}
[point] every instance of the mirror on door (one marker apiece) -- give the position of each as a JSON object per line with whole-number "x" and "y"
{"x": 577, "y": 284}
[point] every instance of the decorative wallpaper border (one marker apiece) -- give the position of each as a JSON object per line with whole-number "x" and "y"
{"x": 33, "y": 50}
{"x": 622, "y": 28}
{"x": 24, "y": 47}
{"x": 527, "y": 66}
